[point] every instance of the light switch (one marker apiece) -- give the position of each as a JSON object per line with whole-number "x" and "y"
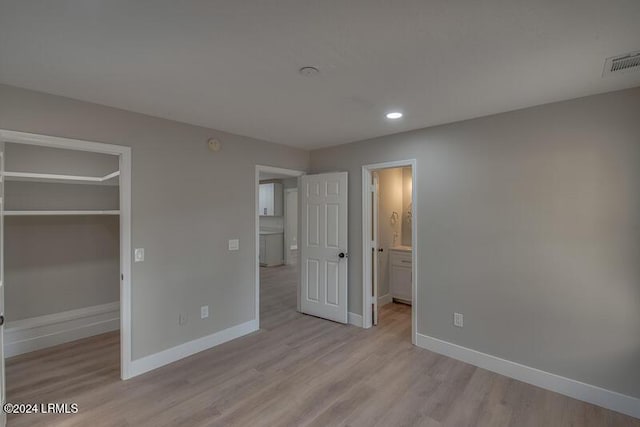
{"x": 234, "y": 244}
{"x": 138, "y": 255}
{"x": 204, "y": 311}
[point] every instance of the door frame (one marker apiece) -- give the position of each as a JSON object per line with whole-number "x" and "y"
{"x": 367, "y": 218}
{"x": 269, "y": 169}
{"x": 124, "y": 156}
{"x": 287, "y": 251}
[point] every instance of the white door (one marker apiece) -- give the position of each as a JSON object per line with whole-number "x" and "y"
{"x": 374, "y": 247}
{"x": 323, "y": 245}
{"x": 3, "y": 416}
{"x": 290, "y": 225}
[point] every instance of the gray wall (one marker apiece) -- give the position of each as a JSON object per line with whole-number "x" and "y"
{"x": 57, "y": 196}
{"x": 186, "y": 203}
{"x": 33, "y": 158}
{"x": 530, "y": 226}
{"x": 59, "y": 263}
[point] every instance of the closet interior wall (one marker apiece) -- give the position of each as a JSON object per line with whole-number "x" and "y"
{"x": 59, "y": 265}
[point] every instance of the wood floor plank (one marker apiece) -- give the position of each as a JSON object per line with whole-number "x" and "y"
{"x": 296, "y": 371}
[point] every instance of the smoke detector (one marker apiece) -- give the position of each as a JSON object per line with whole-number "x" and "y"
{"x": 622, "y": 64}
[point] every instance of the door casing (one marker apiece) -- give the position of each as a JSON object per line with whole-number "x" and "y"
{"x": 124, "y": 155}
{"x": 367, "y": 221}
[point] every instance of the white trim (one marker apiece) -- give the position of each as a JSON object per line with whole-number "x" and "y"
{"x": 267, "y": 169}
{"x": 354, "y": 319}
{"x": 578, "y": 390}
{"x": 109, "y": 176}
{"x": 384, "y": 300}
{"x": 57, "y": 142}
{"x": 124, "y": 154}
{"x": 55, "y": 177}
{"x": 3, "y": 383}
{"x": 367, "y": 320}
{"x": 41, "y": 213}
{"x": 125, "y": 264}
{"x": 173, "y": 354}
{"x": 287, "y": 247}
{"x": 23, "y": 336}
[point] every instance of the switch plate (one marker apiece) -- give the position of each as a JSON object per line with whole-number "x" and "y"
{"x": 204, "y": 311}
{"x": 138, "y": 254}
{"x": 234, "y": 244}
{"x": 458, "y": 320}
{"x": 182, "y": 319}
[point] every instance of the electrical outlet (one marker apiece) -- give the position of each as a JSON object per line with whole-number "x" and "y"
{"x": 458, "y": 320}
{"x": 182, "y": 319}
{"x": 204, "y": 311}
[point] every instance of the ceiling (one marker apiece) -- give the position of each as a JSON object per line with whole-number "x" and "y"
{"x": 233, "y": 65}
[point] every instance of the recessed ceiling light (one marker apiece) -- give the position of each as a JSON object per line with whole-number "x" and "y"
{"x": 394, "y": 115}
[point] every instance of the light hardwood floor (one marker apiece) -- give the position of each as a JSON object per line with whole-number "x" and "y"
{"x": 298, "y": 370}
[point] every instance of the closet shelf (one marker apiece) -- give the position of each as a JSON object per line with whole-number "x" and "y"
{"x": 42, "y": 213}
{"x": 31, "y": 176}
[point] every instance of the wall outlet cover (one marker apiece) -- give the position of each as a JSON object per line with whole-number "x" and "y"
{"x": 204, "y": 311}
{"x": 458, "y": 320}
{"x": 138, "y": 254}
{"x": 234, "y": 244}
{"x": 182, "y": 319}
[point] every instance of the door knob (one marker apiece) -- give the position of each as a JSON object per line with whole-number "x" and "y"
{"x": 1, "y": 320}
{"x": 380, "y": 250}
{"x": 342, "y": 255}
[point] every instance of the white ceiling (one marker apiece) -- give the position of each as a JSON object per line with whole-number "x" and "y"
{"x": 232, "y": 65}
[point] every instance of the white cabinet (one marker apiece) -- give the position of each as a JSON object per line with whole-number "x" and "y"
{"x": 400, "y": 274}
{"x": 270, "y": 200}
{"x": 271, "y": 249}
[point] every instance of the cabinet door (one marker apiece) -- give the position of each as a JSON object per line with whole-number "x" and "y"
{"x": 267, "y": 204}
{"x": 274, "y": 249}
{"x": 401, "y": 282}
{"x": 263, "y": 199}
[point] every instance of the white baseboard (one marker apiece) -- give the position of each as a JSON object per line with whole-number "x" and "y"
{"x": 354, "y": 319}
{"x": 35, "y": 333}
{"x": 578, "y": 390}
{"x": 173, "y": 354}
{"x": 384, "y": 300}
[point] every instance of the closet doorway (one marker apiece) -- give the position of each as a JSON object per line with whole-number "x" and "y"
{"x": 389, "y": 243}
{"x": 66, "y": 234}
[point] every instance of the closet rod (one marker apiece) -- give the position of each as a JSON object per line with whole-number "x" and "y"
{"x": 51, "y": 176}
{"x": 42, "y": 213}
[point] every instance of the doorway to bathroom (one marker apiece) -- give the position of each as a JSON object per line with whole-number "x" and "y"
{"x": 389, "y": 243}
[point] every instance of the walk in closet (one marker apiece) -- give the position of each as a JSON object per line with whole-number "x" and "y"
{"x": 61, "y": 246}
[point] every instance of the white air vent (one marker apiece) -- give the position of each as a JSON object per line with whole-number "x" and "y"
{"x": 622, "y": 64}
